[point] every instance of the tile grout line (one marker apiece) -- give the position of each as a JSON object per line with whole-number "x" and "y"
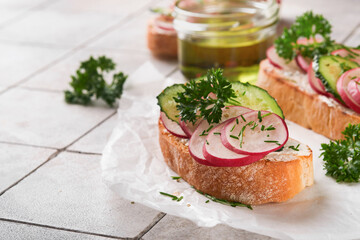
{"x": 351, "y": 33}
{"x": 80, "y": 46}
{"x": 151, "y": 225}
{"x": 85, "y": 153}
{"x": 59, "y": 228}
{"x": 24, "y": 13}
{"x": 55, "y": 154}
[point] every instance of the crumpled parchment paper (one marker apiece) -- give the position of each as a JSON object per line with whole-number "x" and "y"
{"x": 133, "y": 167}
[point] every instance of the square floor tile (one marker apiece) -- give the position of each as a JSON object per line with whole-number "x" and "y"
{"x": 68, "y": 192}
{"x": 179, "y": 228}
{"x": 95, "y": 141}
{"x": 58, "y": 77}
{"x": 17, "y": 161}
{"x": 68, "y": 23}
{"x": 44, "y": 119}
{"x": 18, "y": 231}
{"x": 18, "y": 62}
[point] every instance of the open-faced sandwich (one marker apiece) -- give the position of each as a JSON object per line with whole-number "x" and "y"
{"x": 161, "y": 35}
{"x": 314, "y": 79}
{"x": 230, "y": 140}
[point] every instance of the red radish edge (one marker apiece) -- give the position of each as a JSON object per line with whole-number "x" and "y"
{"x": 227, "y": 143}
{"x": 344, "y": 53}
{"x": 342, "y": 88}
{"x": 172, "y": 127}
{"x": 188, "y": 128}
{"x": 353, "y": 88}
{"x": 237, "y": 161}
{"x": 316, "y": 83}
{"x": 279, "y": 62}
{"x": 302, "y": 62}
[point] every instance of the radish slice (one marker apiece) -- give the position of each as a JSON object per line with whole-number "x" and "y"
{"x": 216, "y": 153}
{"x": 354, "y": 89}
{"x": 354, "y": 54}
{"x": 250, "y": 137}
{"x": 316, "y": 83}
{"x": 189, "y": 127}
{"x": 279, "y": 62}
{"x": 198, "y": 138}
{"x": 342, "y": 87}
{"x": 302, "y": 62}
{"x": 173, "y": 127}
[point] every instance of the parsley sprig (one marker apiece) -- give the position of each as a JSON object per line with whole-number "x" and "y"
{"x": 342, "y": 157}
{"x": 309, "y": 26}
{"x": 197, "y": 102}
{"x": 89, "y": 81}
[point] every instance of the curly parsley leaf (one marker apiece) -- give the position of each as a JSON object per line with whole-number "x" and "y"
{"x": 89, "y": 81}
{"x": 205, "y": 97}
{"x": 309, "y": 26}
{"x": 342, "y": 157}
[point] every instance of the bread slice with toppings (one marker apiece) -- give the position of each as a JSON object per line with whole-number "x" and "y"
{"x": 277, "y": 177}
{"x": 302, "y": 105}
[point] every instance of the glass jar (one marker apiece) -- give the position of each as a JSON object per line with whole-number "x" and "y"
{"x": 228, "y": 34}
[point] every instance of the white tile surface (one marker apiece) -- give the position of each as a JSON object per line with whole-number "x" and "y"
{"x": 68, "y": 192}
{"x": 44, "y": 119}
{"x": 95, "y": 141}
{"x": 18, "y": 231}
{"x": 58, "y": 77}
{"x": 20, "y": 61}
{"x": 179, "y": 228}
{"x": 354, "y": 39}
{"x": 17, "y": 161}
{"x": 342, "y": 23}
{"x": 69, "y": 23}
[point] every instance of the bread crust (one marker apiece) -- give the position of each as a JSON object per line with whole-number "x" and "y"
{"x": 261, "y": 182}
{"x": 303, "y": 107}
{"x": 162, "y": 43}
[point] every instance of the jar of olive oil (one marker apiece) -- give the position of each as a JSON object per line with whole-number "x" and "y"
{"x": 228, "y": 34}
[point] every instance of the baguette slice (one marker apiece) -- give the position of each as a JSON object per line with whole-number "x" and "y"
{"x": 161, "y": 42}
{"x": 276, "y": 178}
{"x": 302, "y": 105}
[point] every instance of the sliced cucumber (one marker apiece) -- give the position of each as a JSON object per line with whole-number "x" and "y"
{"x": 329, "y": 69}
{"x": 248, "y": 95}
{"x": 255, "y": 98}
{"x": 167, "y": 103}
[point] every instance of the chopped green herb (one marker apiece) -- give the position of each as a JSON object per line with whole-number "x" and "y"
{"x": 259, "y": 116}
{"x": 272, "y": 141}
{"x": 207, "y": 142}
{"x": 194, "y": 102}
{"x": 295, "y": 148}
{"x": 217, "y": 133}
{"x": 89, "y": 81}
{"x": 169, "y": 195}
{"x": 270, "y": 128}
{"x": 266, "y": 114}
{"x": 342, "y": 157}
{"x": 211, "y": 126}
{"x": 255, "y": 125}
{"x": 175, "y": 177}
{"x": 237, "y": 120}
{"x": 225, "y": 202}
{"x": 244, "y": 93}
{"x": 180, "y": 198}
{"x": 262, "y": 127}
{"x": 280, "y": 149}
{"x": 243, "y": 118}
{"x": 232, "y": 136}
{"x": 203, "y": 133}
{"x": 207, "y": 201}
{"x": 232, "y": 129}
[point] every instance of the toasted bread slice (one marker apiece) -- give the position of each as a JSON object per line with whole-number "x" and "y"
{"x": 304, "y": 106}
{"x": 161, "y": 42}
{"x": 276, "y": 178}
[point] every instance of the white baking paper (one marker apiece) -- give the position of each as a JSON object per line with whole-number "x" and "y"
{"x": 134, "y": 168}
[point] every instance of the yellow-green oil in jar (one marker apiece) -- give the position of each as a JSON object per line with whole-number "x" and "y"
{"x": 227, "y": 35}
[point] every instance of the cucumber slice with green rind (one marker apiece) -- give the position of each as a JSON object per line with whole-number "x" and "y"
{"x": 255, "y": 98}
{"x": 329, "y": 69}
{"x": 167, "y": 103}
{"x": 248, "y": 95}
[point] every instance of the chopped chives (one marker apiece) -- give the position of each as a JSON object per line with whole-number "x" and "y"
{"x": 232, "y": 129}
{"x": 272, "y": 141}
{"x": 259, "y": 116}
{"x": 207, "y": 201}
{"x": 169, "y": 195}
{"x": 237, "y": 121}
{"x": 243, "y": 118}
{"x": 175, "y": 177}
{"x": 295, "y": 148}
{"x": 232, "y": 136}
{"x": 244, "y": 93}
{"x": 207, "y": 142}
{"x": 262, "y": 127}
{"x": 217, "y": 133}
{"x": 180, "y": 198}
{"x": 255, "y": 125}
{"x": 270, "y": 128}
{"x": 266, "y": 114}
{"x": 211, "y": 126}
